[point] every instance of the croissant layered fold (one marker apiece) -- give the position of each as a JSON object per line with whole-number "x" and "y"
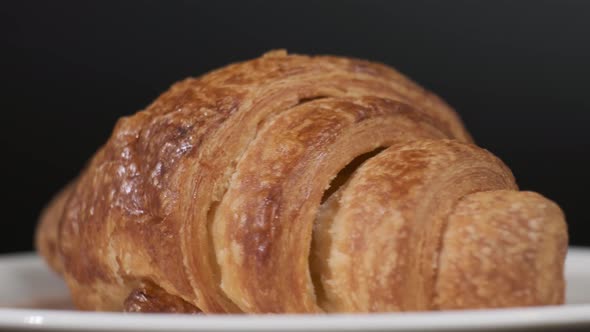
{"x": 291, "y": 183}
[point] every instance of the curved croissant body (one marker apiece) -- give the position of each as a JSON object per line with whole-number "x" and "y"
{"x": 300, "y": 184}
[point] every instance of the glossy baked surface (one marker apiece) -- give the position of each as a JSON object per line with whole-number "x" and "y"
{"x": 300, "y": 184}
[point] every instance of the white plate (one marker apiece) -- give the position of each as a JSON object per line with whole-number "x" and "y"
{"x": 28, "y": 289}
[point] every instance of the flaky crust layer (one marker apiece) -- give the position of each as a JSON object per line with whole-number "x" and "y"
{"x": 231, "y": 193}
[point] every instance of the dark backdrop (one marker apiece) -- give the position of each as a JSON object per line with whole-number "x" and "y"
{"x": 517, "y": 72}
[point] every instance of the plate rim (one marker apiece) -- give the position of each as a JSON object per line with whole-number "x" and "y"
{"x": 506, "y": 318}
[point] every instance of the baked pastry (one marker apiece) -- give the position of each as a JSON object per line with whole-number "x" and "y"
{"x": 291, "y": 183}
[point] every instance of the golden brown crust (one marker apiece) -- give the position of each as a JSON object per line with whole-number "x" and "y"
{"x": 210, "y": 193}
{"x": 263, "y": 225}
{"x": 397, "y": 203}
{"x": 150, "y": 298}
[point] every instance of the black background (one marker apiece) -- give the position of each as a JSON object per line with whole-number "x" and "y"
{"x": 518, "y": 72}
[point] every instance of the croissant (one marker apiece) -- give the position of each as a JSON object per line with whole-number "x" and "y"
{"x": 297, "y": 184}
